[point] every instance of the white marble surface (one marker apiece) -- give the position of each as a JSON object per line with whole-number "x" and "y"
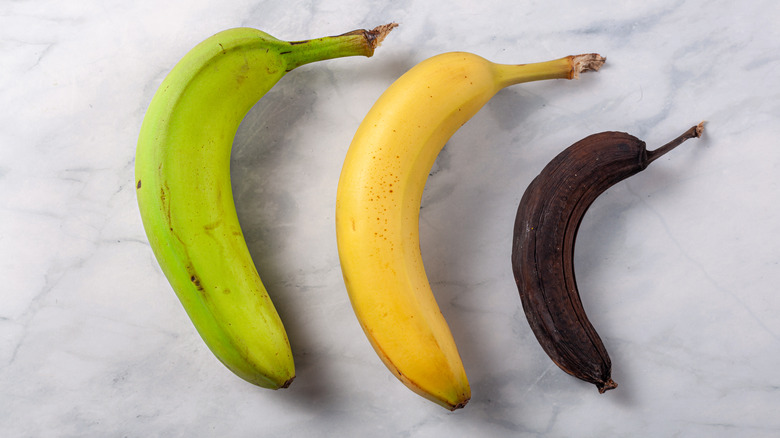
{"x": 678, "y": 266}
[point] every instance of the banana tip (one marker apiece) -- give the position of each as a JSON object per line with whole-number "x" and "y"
{"x": 376, "y": 35}
{"x": 460, "y": 405}
{"x": 587, "y": 62}
{"x": 606, "y": 386}
{"x": 287, "y": 383}
{"x": 700, "y": 128}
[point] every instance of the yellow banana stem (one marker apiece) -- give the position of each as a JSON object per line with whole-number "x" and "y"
{"x": 568, "y": 67}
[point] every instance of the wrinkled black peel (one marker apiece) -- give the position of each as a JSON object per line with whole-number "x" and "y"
{"x": 546, "y": 225}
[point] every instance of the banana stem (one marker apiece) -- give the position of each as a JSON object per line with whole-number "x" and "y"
{"x": 359, "y": 42}
{"x": 694, "y": 132}
{"x": 568, "y": 67}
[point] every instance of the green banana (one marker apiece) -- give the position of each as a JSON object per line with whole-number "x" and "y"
{"x": 184, "y": 191}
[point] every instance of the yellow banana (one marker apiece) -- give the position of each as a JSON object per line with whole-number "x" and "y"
{"x": 378, "y": 207}
{"x": 185, "y": 196}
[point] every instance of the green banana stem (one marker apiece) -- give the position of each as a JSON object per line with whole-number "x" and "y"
{"x": 356, "y": 43}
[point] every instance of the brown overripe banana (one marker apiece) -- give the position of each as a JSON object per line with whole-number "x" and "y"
{"x": 545, "y": 230}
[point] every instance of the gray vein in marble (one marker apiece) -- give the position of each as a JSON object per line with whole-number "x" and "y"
{"x": 701, "y": 267}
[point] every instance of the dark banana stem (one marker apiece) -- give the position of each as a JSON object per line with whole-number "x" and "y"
{"x": 694, "y": 132}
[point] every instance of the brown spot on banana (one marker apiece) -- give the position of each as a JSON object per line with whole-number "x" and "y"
{"x": 196, "y": 281}
{"x": 212, "y": 226}
{"x": 545, "y": 230}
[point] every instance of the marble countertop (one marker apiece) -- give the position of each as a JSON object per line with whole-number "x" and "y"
{"x": 677, "y": 266}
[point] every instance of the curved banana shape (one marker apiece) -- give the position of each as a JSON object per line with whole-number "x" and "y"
{"x": 185, "y": 196}
{"x": 378, "y": 206}
{"x": 548, "y": 218}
